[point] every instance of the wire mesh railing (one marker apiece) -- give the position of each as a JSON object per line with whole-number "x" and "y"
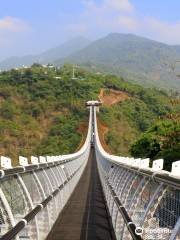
{"x": 143, "y": 202}
{"x": 32, "y": 196}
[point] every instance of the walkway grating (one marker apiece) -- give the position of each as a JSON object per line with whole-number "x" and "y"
{"x": 85, "y": 216}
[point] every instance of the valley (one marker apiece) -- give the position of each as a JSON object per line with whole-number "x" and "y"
{"x": 42, "y": 114}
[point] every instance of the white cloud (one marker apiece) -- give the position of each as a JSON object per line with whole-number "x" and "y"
{"x": 119, "y": 5}
{"x": 128, "y": 23}
{"x": 109, "y": 5}
{"x": 109, "y": 15}
{"x": 122, "y": 16}
{"x": 13, "y": 31}
{"x": 163, "y": 31}
{"x": 12, "y": 24}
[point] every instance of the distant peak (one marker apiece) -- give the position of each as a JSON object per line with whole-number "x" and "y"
{"x": 131, "y": 36}
{"x": 120, "y": 34}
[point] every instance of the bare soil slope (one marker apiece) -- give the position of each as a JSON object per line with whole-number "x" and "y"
{"x": 112, "y": 97}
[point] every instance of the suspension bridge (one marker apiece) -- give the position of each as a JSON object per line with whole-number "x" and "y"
{"x": 89, "y": 195}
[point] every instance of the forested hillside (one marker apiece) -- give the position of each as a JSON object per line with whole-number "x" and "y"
{"x": 41, "y": 113}
{"x": 162, "y": 140}
{"x": 147, "y": 62}
{"x": 43, "y": 110}
{"x": 141, "y": 60}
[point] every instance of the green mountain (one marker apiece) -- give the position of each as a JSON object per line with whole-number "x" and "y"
{"x": 48, "y": 56}
{"x": 147, "y": 62}
{"x": 42, "y": 111}
{"x": 139, "y": 59}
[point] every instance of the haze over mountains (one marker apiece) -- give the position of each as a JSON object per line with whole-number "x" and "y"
{"x": 139, "y": 59}
{"x": 142, "y": 60}
{"x": 48, "y": 56}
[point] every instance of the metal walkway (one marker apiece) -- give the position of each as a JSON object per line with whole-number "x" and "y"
{"x": 64, "y": 197}
{"x": 85, "y": 216}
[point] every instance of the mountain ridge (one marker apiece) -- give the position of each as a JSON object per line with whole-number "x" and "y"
{"x": 48, "y": 56}
{"x": 139, "y": 59}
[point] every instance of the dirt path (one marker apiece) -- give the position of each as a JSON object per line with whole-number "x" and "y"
{"x": 109, "y": 99}
{"x": 112, "y": 97}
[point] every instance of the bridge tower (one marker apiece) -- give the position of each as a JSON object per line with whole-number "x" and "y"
{"x": 92, "y": 104}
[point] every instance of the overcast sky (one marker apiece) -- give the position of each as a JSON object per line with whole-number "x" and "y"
{"x": 32, "y": 26}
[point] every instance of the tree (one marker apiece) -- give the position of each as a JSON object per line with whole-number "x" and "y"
{"x": 162, "y": 140}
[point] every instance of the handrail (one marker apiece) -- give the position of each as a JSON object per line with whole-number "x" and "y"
{"x": 126, "y": 185}
{"x": 130, "y": 225}
{"x": 64, "y": 158}
{"x": 135, "y": 195}
{"x": 31, "y": 215}
{"x": 104, "y": 181}
{"x": 67, "y": 172}
{"x": 161, "y": 176}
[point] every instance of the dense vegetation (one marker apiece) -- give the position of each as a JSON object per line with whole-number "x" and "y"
{"x": 147, "y": 124}
{"x": 162, "y": 140}
{"x": 42, "y": 109}
{"x": 141, "y": 60}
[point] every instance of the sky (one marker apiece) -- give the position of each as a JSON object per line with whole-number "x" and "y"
{"x": 32, "y": 26}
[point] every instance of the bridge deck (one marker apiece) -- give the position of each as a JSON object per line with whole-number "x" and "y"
{"x": 85, "y": 216}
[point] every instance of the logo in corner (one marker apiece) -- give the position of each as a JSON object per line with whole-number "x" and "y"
{"x": 139, "y": 231}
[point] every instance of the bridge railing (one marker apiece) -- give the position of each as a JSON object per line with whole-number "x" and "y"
{"x": 143, "y": 203}
{"x": 32, "y": 196}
